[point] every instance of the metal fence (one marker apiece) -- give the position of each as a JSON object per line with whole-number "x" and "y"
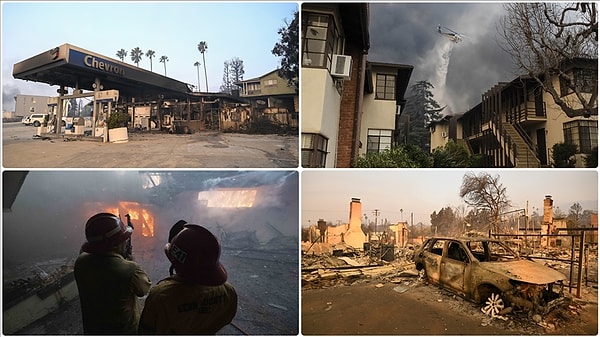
{"x": 578, "y": 257}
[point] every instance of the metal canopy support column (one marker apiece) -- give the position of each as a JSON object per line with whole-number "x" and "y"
{"x": 59, "y": 110}
{"x": 96, "y": 87}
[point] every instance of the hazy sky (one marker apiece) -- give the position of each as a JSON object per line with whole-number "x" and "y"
{"x": 241, "y": 29}
{"x": 406, "y": 33}
{"x": 327, "y": 194}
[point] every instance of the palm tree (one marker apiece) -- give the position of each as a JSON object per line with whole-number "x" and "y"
{"x": 122, "y": 54}
{"x": 202, "y": 47}
{"x": 164, "y": 59}
{"x": 136, "y": 55}
{"x": 197, "y": 65}
{"x": 150, "y": 55}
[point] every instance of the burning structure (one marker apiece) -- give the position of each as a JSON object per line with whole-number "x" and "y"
{"x": 254, "y": 214}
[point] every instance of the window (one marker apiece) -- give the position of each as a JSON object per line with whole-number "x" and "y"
{"x": 268, "y": 83}
{"x": 378, "y": 140}
{"x": 385, "y": 87}
{"x": 583, "y": 133}
{"x": 252, "y": 88}
{"x": 584, "y": 80}
{"x": 438, "y": 247}
{"x": 320, "y": 40}
{"x": 455, "y": 252}
{"x": 314, "y": 150}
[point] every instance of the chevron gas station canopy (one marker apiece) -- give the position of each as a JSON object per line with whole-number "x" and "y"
{"x": 74, "y": 67}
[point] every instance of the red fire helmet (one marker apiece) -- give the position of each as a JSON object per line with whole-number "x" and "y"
{"x": 104, "y": 231}
{"x": 195, "y": 253}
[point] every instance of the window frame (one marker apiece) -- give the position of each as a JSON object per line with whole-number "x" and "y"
{"x": 331, "y": 43}
{"x": 583, "y": 133}
{"x": 313, "y": 151}
{"x": 371, "y": 134}
{"x": 386, "y": 91}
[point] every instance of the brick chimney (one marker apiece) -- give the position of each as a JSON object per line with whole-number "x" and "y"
{"x": 548, "y": 216}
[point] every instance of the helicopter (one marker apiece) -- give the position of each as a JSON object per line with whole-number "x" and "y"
{"x": 449, "y": 33}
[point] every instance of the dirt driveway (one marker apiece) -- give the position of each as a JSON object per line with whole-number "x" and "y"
{"x": 149, "y": 150}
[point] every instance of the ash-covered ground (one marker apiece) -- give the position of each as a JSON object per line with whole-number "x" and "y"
{"x": 265, "y": 278}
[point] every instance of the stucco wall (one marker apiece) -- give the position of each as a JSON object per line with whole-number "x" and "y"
{"x": 320, "y": 108}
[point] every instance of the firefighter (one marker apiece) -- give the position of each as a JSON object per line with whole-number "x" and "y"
{"x": 175, "y": 229}
{"x": 197, "y": 300}
{"x": 109, "y": 285}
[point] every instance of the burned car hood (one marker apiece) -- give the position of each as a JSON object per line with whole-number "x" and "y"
{"x": 525, "y": 271}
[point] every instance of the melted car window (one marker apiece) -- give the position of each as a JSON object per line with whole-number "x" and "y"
{"x": 489, "y": 251}
{"x": 456, "y": 252}
{"x": 478, "y": 250}
{"x": 437, "y": 247}
{"x": 500, "y": 252}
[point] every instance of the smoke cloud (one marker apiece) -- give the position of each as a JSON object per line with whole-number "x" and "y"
{"x": 406, "y": 33}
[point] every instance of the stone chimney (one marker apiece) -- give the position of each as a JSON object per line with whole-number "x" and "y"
{"x": 355, "y": 236}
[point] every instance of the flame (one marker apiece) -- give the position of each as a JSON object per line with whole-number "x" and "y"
{"x": 140, "y": 217}
{"x": 229, "y": 198}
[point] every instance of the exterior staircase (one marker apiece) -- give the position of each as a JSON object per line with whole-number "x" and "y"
{"x": 524, "y": 156}
{"x": 514, "y": 146}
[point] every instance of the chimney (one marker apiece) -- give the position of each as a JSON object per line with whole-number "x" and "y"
{"x": 355, "y": 236}
{"x": 548, "y": 216}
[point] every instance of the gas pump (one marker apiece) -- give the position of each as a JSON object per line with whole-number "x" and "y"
{"x": 52, "y": 107}
{"x": 54, "y": 124}
{"x": 103, "y": 102}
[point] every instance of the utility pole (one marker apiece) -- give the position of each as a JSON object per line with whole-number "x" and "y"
{"x": 376, "y": 213}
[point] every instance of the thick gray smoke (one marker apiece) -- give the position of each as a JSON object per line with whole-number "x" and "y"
{"x": 406, "y": 33}
{"x": 48, "y": 216}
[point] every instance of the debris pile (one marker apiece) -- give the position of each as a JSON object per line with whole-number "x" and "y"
{"x": 324, "y": 265}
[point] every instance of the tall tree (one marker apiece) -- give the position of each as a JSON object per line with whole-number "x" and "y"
{"x": 233, "y": 72}
{"x": 164, "y": 59}
{"x": 485, "y": 193}
{"x": 287, "y": 50}
{"x": 197, "y": 65}
{"x": 202, "y": 48}
{"x": 422, "y": 109}
{"x": 445, "y": 222}
{"x": 150, "y": 55}
{"x": 541, "y": 37}
{"x": 136, "y": 55}
{"x": 236, "y": 69}
{"x": 122, "y": 54}
{"x": 226, "y": 85}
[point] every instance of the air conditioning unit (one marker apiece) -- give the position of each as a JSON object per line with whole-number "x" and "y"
{"x": 342, "y": 66}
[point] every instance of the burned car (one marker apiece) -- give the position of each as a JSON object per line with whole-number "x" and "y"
{"x": 487, "y": 271}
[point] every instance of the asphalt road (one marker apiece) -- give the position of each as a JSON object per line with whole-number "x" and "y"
{"x": 20, "y": 149}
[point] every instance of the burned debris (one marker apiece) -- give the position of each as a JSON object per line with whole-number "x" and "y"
{"x": 481, "y": 275}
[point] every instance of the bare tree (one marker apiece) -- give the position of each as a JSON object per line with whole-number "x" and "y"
{"x": 485, "y": 193}
{"x": 546, "y": 41}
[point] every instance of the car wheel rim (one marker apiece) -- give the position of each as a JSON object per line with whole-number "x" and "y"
{"x": 493, "y": 305}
